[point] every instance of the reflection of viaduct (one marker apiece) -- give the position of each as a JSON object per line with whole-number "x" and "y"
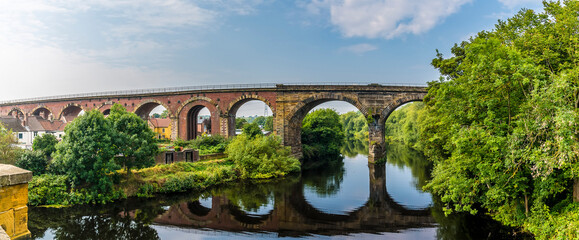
{"x": 294, "y": 216}
{"x": 289, "y": 104}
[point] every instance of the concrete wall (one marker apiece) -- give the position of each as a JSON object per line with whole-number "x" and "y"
{"x": 13, "y": 200}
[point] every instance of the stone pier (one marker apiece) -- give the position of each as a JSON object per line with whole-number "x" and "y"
{"x": 13, "y": 200}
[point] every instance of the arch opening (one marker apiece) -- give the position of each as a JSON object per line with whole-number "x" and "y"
{"x": 198, "y": 122}
{"x": 70, "y": 112}
{"x": 295, "y": 137}
{"x": 42, "y": 112}
{"x": 249, "y": 111}
{"x": 145, "y": 110}
{"x": 16, "y": 113}
{"x": 157, "y": 117}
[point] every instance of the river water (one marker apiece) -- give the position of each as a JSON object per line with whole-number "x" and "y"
{"x": 353, "y": 200}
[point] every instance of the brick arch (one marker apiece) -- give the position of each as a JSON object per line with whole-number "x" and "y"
{"x": 237, "y": 103}
{"x": 143, "y": 105}
{"x": 39, "y": 107}
{"x": 295, "y": 117}
{"x": 186, "y": 128}
{"x": 418, "y": 97}
{"x": 63, "y": 110}
{"x": 195, "y": 99}
{"x": 19, "y": 113}
{"x": 104, "y": 107}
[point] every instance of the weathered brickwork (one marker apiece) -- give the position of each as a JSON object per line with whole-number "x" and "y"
{"x": 288, "y": 103}
{"x": 13, "y": 200}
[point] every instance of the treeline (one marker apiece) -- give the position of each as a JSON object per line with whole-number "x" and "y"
{"x": 264, "y": 122}
{"x": 403, "y": 125}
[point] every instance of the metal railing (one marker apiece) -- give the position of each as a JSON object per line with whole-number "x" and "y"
{"x": 195, "y": 88}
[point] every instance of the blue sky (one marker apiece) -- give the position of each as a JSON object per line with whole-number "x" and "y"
{"x": 54, "y": 47}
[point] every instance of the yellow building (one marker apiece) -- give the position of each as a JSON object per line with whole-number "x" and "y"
{"x": 161, "y": 127}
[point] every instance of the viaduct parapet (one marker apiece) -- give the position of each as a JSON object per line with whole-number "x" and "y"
{"x": 289, "y": 105}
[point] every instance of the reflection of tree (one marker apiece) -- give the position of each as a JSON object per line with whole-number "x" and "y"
{"x": 326, "y": 181}
{"x": 401, "y": 155}
{"x": 75, "y": 223}
{"x": 250, "y": 197}
{"x": 467, "y": 226}
{"x": 353, "y": 147}
{"x": 98, "y": 227}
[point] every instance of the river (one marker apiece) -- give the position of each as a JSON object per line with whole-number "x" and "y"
{"x": 353, "y": 200}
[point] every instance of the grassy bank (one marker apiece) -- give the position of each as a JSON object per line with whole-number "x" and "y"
{"x": 177, "y": 177}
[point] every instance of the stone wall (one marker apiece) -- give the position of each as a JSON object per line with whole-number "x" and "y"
{"x": 13, "y": 200}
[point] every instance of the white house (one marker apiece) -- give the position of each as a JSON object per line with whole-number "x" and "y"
{"x": 33, "y": 127}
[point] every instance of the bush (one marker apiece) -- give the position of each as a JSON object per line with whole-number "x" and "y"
{"x": 48, "y": 190}
{"x": 34, "y": 161}
{"x": 45, "y": 143}
{"x": 261, "y": 157}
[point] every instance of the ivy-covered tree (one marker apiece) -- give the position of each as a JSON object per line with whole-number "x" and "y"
{"x": 134, "y": 141}
{"x": 45, "y": 143}
{"x": 86, "y": 152}
{"x": 502, "y": 123}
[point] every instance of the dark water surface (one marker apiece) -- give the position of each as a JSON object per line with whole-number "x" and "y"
{"x": 342, "y": 201}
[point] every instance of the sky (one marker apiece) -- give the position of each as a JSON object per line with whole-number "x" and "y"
{"x": 57, "y": 47}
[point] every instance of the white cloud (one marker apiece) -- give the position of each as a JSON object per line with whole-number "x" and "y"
{"x": 384, "y": 18}
{"x": 359, "y": 48}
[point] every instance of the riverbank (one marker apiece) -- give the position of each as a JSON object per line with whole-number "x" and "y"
{"x": 177, "y": 177}
{"x": 53, "y": 190}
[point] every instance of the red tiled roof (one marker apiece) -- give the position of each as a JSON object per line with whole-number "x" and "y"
{"x": 160, "y": 122}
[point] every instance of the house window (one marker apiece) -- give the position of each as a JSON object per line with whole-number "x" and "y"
{"x": 163, "y": 130}
{"x": 35, "y": 134}
{"x": 20, "y": 136}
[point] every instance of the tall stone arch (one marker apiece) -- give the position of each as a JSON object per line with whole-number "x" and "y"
{"x": 393, "y": 105}
{"x": 292, "y": 122}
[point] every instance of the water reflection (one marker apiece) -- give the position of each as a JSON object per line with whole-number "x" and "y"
{"x": 351, "y": 199}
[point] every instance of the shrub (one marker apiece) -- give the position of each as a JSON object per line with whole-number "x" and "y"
{"x": 34, "y": 161}
{"x": 261, "y": 156}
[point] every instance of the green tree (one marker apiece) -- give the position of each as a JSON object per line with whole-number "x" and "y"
{"x": 164, "y": 114}
{"x": 259, "y": 120}
{"x": 355, "y": 126}
{"x": 268, "y": 125}
{"x": 501, "y": 124}
{"x": 35, "y": 161}
{"x": 251, "y": 130}
{"x": 45, "y": 143}
{"x": 403, "y": 125}
{"x": 133, "y": 139}
{"x": 86, "y": 152}
{"x": 322, "y": 136}
{"x": 8, "y": 149}
{"x": 240, "y": 122}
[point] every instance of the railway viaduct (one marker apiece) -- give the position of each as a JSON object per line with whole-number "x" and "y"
{"x": 289, "y": 104}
